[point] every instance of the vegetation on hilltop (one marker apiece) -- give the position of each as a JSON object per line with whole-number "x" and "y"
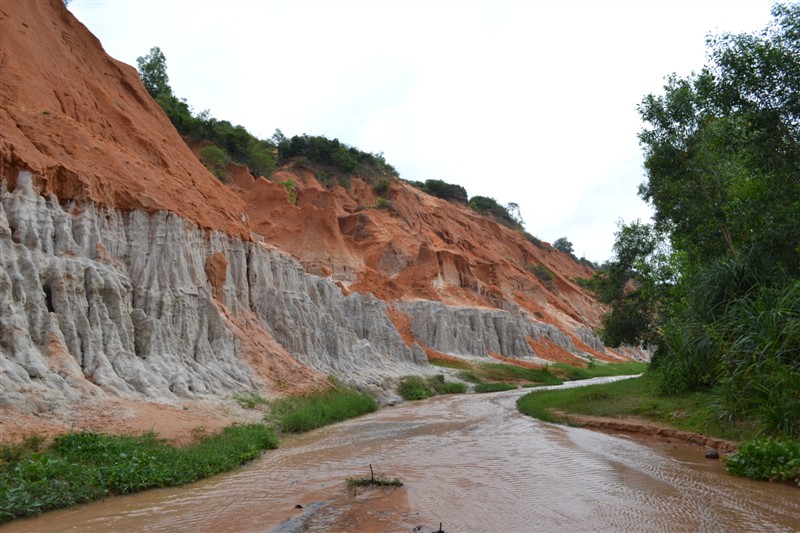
{"x": 334, "y": 161}
{"x": 443, "y": 190}
{"x": 713, "y": 284}
{"x": 261, "y": 156}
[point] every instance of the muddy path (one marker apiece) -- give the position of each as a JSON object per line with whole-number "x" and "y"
{"x": 471, "y": 462}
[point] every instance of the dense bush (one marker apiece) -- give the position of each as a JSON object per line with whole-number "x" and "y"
{"x": 382, "y": 186}
{"x": 486, "y": 205}
{"x": 768, "y": 459}
{"x": 713, "y": 284}
{"x": 562, "y": 244}
{"x": 444, "y": 190}
{"x": 544, "y": 274}
{"x": 215, "y": 160}
{"x": 337, "y": 156}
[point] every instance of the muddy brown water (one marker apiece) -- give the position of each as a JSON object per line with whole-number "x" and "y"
{"x": 469, "y": 462}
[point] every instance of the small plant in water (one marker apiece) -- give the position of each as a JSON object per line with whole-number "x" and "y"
{"x": 354, "y": 483}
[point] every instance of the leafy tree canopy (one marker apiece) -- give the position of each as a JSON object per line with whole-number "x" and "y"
{"x": 153, "y": 71}
{"x": 484, "y": 204}
{"x": 336, "y": 155}
{"x": 713, "y": 282}
{"x": 562, "y": 244}
{"x": 444, "y": 190}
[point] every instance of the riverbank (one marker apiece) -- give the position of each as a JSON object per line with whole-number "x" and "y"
{"x": 635, "y": 406}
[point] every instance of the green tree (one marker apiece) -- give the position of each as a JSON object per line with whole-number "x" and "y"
{"x": 153, "y": 71}
{"x": 721, "y": 148}
{"x": 713, "y": 283}
{"x": 562, "y": 244}
{"x": 215, "y": 160}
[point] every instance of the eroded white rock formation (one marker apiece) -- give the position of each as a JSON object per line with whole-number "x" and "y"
{"x": 94, "y": 300}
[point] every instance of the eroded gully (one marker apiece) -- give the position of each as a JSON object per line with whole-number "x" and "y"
{"x": 469, "y": 462}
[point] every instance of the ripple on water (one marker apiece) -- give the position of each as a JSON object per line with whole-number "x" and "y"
{"x": 471, "y": 462}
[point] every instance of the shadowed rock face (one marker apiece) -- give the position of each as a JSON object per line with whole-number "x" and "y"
{"x": 475, "y": 332}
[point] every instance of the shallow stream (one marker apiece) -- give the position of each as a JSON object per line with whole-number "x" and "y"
{"x": 469, "y": 462}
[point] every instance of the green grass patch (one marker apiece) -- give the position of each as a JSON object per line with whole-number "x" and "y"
{"x": 494, "y": 387}
{"x": 637, "y": 397}
{"x": 418, "y": 388}
{"x": 504, "y": 372}
{"x": 303, "y": 413}
{"x": 458, "y": 365}
{"x": 574, "y": 373}
{"x": 250, "y": 400}
{"x": 471, "y": 377}
{"x": 80, "y": 467}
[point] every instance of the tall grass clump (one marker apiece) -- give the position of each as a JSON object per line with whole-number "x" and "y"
{"x": 417, "y": 388}
{"x": 296, "y": 414}
{"x": 80, "y": 467}
{"x": 739, "y": 336}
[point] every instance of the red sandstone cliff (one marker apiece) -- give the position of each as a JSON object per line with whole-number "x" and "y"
{"x": 91, "y": 137}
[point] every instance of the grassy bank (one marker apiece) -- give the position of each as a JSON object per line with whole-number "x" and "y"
{"x": 758, "y": 458}
{"x": 418, "y": 388}
{"x": 491, "y": 377}
{"x": 636, "y": 397}
{"x": 80, "y": 467}
{"x": 304, "y": 413}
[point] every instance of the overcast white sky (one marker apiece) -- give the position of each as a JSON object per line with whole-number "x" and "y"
{"x": 532, "y": 102}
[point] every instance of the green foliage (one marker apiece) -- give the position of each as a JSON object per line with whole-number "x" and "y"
{"x": 563, "y": 245}
{"x": 586, "y": 283}
{"x": 215, "y": 160}
{"x": 235, "y": 141}
{"x": 503, "y": 372}
{"x": 639, "y": 397}
{"x": 418, "y": 388}
{"x": 81, "y": 467}
{"x": 768, "y": 459}
{"x": 534, "y": 240}
{"x": 153, "y": 71}
{"x": 383, "y": 203}
{"x": 291, "y": 188}
{"x": 494, "y": 387}
{"x": 250, "y": 400}
{"x": 381, "y": 480}
{"x": 443, "y": 190}
{"x": 303, "y": 413}
{"x": 381, "y": 186}
{"x": 489, "y": 206}
{"x": 637, "y": 284}
{"x": 333, "y": 154}
{"x": 544, "y": 274}
{"x": 413, "y": 388}
{"x": 594, "y": 369}
{"x": 469, "y": 376}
